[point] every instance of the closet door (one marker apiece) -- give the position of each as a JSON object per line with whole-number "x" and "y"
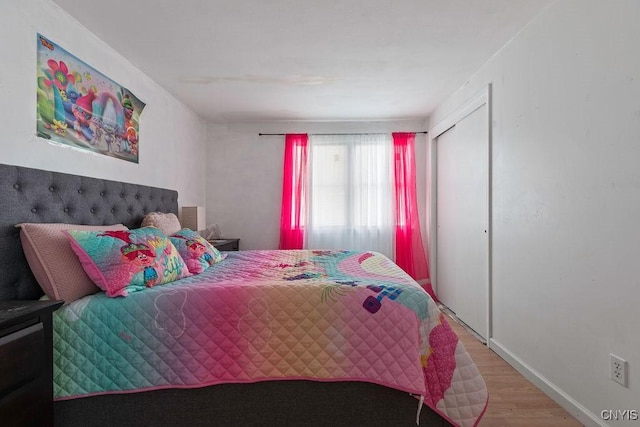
{"x": 462, "y": 219}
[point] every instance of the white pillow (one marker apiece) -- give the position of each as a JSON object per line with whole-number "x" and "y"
{"x": 168, "y": 223}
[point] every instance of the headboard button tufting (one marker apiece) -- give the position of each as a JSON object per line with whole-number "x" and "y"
{"x": 95, "y": 201}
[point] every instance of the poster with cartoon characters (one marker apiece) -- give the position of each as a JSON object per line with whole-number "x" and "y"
{"x": 80, "y": 107}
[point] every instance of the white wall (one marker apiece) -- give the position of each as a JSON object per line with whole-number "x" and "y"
{"x": 566, "y": 198}
{"x": 172, "y": 138}
{"x": 244, "y": 180}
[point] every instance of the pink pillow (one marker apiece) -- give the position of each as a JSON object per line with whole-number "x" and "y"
{"x": 53, "y": 262}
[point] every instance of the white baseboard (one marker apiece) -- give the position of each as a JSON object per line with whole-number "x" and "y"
{"x": 581, "y": 413}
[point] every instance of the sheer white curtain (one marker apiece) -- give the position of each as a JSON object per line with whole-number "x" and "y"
{"x": 351, "y": 186}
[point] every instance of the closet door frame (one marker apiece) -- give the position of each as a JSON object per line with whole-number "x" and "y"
{"x": 482, "y": 97}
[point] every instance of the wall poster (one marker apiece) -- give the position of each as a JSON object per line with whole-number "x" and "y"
{"x": 82, "y": 108}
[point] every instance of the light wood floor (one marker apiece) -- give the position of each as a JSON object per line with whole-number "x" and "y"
{"x": 513, "y": 400}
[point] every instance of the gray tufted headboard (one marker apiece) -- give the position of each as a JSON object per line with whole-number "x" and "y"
{"x": 33, "y": 195}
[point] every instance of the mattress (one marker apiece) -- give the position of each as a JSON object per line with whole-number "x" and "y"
{"x": 271, "y": 315}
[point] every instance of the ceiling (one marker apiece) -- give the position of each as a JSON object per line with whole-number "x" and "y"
{"x": 265, "y": 60}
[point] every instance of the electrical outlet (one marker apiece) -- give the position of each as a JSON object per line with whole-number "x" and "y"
{"x": 618, "y": 369}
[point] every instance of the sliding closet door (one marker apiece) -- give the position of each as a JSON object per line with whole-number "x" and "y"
{"x": 462, "y": 219}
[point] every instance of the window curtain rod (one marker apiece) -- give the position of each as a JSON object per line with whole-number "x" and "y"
{"x": 346, "y": 133}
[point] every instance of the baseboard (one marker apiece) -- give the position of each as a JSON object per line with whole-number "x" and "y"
{"x": 582, "y": 414}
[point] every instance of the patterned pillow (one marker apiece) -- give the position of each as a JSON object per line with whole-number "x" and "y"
{"x": 120, "y": 262}
{"x": 196, "y": 252}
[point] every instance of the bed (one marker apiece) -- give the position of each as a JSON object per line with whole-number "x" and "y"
{"x": 282, "y": 337}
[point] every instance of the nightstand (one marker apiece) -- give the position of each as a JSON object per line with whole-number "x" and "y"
{"x": 26, "y": 362}
{"x": 226, "y": 244}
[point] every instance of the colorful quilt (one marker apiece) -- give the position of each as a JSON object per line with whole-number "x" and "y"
{"x": 268, "y": 315}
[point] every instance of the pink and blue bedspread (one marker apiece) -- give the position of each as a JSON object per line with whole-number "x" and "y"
{"x": 268, "y": 315}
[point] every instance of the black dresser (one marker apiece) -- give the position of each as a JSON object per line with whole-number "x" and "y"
{"x": 26, "y": 362}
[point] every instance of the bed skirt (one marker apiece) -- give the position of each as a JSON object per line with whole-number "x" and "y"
{"x": 268, "y": 403}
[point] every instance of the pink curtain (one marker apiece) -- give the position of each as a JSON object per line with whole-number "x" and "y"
{"x": 410, "y": 251}
{"x": 294, "y": 191}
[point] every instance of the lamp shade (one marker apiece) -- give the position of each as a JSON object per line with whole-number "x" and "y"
{"x": 194, "y": 217}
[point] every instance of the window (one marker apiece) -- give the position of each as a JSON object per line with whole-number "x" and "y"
{"x": 351, "y": 204}
{"x": 362, "y": 196}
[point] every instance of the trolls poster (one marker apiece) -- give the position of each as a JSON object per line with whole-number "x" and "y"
{"x": 80, "y": 107}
